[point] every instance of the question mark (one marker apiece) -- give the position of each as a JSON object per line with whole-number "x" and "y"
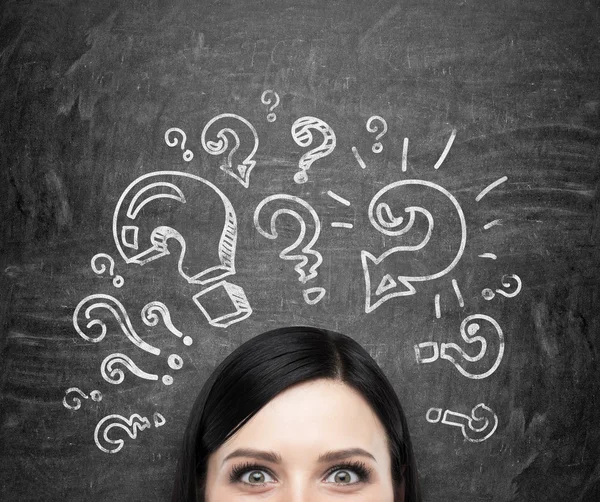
{"x": 488, "y": 294}
{"x": 117, "y": 375}
{"x": 187, "y": 154}
{"x": 271, "y": 117}
{"x": 242, "y": 171}
{"x": 476, "y": 428}
{"x": 377, "y": 147}
{"x": 150, "y": 318}
{"x": 96, "y": 396}
{"x": 131, "y": 426}
{"x": 302, "y": 213}
{"x": 301, "y": 132}
{"x": 101, "y": 301}
{"x": 454, "y": 353}
{"x": 99, "y": 269}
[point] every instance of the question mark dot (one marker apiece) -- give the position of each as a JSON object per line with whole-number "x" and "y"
{"x": 175, "y": 362}
{"x": 167, "y": 379}
{"x": 188, "y": 155}
{"x": 118, "y": 281}
{"x": 271, "y": 117}
{"x": 301, "y": 177}
{"x": 96, "y": 395}
{"x": 473, "y": 328}
{"x": 377, "y": 148}
{"x": 187, "y": 340}
{"x": 488, "y": 294}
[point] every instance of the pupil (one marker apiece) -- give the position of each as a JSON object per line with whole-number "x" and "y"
{"x": 342, "y": 476}
{"x": 257, "y": 476}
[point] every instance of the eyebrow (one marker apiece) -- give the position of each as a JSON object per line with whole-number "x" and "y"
{"x": 275, "y": 458}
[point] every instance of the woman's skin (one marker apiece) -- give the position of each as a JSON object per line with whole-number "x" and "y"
{"x": 287, "y": 437}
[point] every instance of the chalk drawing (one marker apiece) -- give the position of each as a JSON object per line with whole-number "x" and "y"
{"x": 209, "y": 301}
{"x": 242, "y": 171}
{"x": 138, "y": 244}
{"x": 266, "y": 99}
{"x": 446, "y": 150}
{"x": 381, "y": 217}
{"x": 489, "y": 188}
{"x": 172, "y": 140}
{"x": 100, "y": 301}
{"x": 358, "y": 158}
{"x": 479, "y": 426}
{"x": 339, "y": 224}
{"x": 95, "y": 395}
{"x": 459, "y": 297}
{"x": 491, "y": 256}
{"x": 302, "y": 248}
{"x": 404, "y": 155}
{"x": 158, "y": 419}
{"x": 488, "y": 294}
{"x": 338, "y": 198}
{"x": 438, "y": 309}
{"x": 150, "y": 315}
{"x": 491, "y": 224}
{"x": 175, "y": 362}
{"x": 372, "y": 126}
{"x": 303, "y": 136}
{"x": 458, "y": 357}
{"x": 130, "y": 425}
{"x": 100, "y": 268}
{"x": 312, "y": 296}
{"x": 117, "y": 375}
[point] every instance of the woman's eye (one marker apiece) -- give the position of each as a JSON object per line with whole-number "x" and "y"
{"x": 343, "y": 477}
{"x": 256, "y": 477}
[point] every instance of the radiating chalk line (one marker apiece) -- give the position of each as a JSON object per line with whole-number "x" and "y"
{"x": 491, "y": 224}
{"x": 488, "y": 255}
{"x": 446, "y": 150}
{"x": 359, "y": 159}
{"x": 404, "y": 154}
{"x": 461, "y": 302}
{"x": 340, "y": 199}
{"x": 438, "y": 310}
{"x": 339, "y": 224}
{"x": 490, "y": 187}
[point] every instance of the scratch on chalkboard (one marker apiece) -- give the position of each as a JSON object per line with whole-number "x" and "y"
{"x": 385, "y": 18}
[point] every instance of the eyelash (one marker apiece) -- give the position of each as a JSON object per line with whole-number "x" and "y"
{"x": 359, "y": 468}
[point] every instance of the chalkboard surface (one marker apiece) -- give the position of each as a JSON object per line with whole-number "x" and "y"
{"x": 178, "y": 177}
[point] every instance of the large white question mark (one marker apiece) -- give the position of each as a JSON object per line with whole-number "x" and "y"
{"x": 242, "y": 171}
{"x": 116, "y": 375}
{"x": 95, "y": 395}
{"x": 488, "y": 294}
{"x": 476, "y": 428}
{"x": 267, "y": 100}
{"x": 454, "y": 353}
{"x": 377, "y": 147}
{"x": 302, "y": 248}
{"x": 172, "y": 140}
{"x": 131, "y": 426}
{"x": 302, "y": 134}
{"x": 100, "y": 268}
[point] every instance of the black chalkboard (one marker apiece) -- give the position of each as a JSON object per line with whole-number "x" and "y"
{"x": 421, "y": 175}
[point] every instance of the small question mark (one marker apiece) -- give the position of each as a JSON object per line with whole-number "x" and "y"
{"x": 271, "y": 117}
{"x": 117, "y": 375}
{"x": 476, "y": 428}
{"x": 96, "y": 396}
{"x": 131, "y": 426}
{"x": 377, "y": 147}
{"x": 188, "y": 155}
{"x": 101, "y": 301}
{"x": 100, "y": 268}
{"x": 150, "y": 314}
{"x": 302, "y": 249}
{"x": 488, "y": 294}
{"x": 301, "y": 132}
{"x": 463, "y": 362}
